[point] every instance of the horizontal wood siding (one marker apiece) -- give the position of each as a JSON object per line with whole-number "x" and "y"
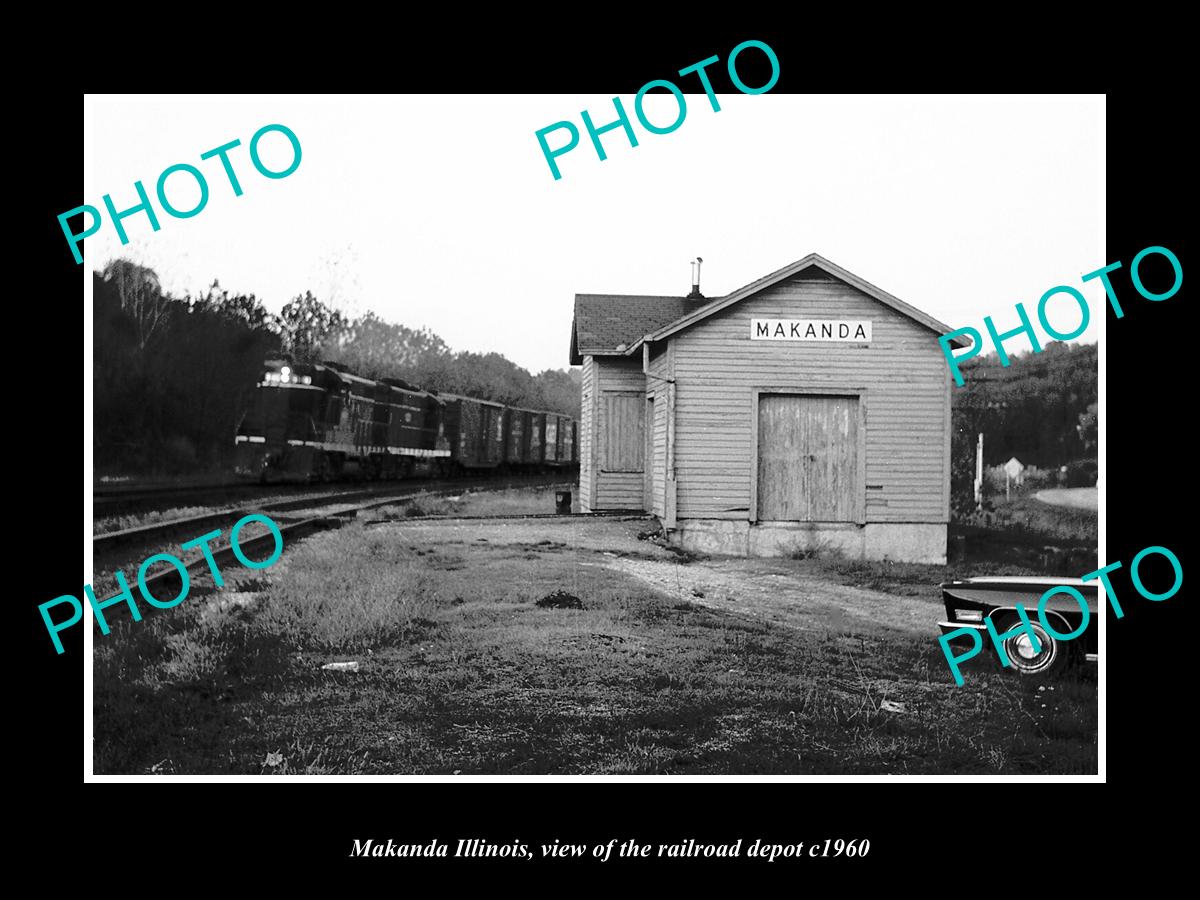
{"x": 658, "y": 385}
{"x": 617, "y": 490}
{"x": 648, "y": 476}
{"x": 659, "y": 439}
{"x": 586, "y": 488}
{"x": 901, "y": 374}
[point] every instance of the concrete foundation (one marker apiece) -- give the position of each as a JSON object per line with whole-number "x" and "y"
{"x": 904, "y": 542}
{"x": 917, "y": 542}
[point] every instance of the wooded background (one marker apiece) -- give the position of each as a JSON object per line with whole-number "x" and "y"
{"x": 1041, "y": 408}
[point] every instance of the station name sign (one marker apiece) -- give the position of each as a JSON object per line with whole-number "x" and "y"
{"x": 851, "y": 331}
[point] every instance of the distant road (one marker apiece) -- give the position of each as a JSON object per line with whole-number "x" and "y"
{"x": 1079, "y": 498}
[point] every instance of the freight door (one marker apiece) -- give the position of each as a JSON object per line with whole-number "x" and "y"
{"x": 808, "y": 455}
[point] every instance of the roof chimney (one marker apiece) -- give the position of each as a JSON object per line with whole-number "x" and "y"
{"x": 695, "y": 294}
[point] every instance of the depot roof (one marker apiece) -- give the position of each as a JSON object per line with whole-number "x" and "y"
{"x": 608, "y": 324}
{"x": 618, "y": 324}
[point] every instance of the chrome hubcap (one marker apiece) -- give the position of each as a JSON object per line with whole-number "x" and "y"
{"x": 1021, "y": 653}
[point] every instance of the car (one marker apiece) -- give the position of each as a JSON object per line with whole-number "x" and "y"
{"x": 971, "y": 602}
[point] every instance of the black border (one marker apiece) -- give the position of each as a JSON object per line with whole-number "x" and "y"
{"x": 1147, "y": 493}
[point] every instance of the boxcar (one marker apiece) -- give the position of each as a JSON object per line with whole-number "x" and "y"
{"x": 560, "y": 440}
{"x": 517, "y": 427}
{"x": 538, "y": 440}
{"x": 550, "y": 445}
{"x": 525, "y": 440}
{"x": 566, "y": 432}
{"x": 475, "y": 431}
{"x": 537, "y": 430}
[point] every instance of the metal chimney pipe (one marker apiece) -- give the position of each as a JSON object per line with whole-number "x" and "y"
{"x": 695, "y": 294}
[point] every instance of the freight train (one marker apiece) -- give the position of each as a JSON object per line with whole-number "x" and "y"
{"x": 320, "y": 422}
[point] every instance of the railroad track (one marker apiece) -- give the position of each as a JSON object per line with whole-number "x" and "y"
{"x": 110, "y": 544}
{"x": 111, "y": 500}
{"x": 292, "y": 531}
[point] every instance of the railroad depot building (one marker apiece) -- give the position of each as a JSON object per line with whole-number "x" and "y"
{"x": 808, "y": 409}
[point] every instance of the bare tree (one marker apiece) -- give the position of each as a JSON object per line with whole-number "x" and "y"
{"x": 141, "y": 296}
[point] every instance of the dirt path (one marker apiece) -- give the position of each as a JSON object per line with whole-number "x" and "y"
{"x": 1076, "y": 498}
{"x": 761, "y": 590}
{"x": 764, "y": 589}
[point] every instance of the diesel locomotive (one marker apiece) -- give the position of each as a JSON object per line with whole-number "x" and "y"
{"x": 319, "y": 422}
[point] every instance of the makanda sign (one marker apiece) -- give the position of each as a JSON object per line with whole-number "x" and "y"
{"x": 845, "y": 330}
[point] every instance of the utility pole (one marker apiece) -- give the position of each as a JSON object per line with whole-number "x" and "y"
{"x": 979, "y": 474}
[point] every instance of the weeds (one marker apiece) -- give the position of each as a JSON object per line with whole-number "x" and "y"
{"x": 299, "y": 758}
{"x": 817, "y": 547}
{"x": 324, "y": 605}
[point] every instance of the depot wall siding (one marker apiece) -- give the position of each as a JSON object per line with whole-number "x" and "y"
{"x": 658, "y": 387}
{"x": 587, "y": 488}
{"x": 901, "y": 378}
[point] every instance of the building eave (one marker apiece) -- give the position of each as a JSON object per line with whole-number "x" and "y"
{"x": 813, "y": 259}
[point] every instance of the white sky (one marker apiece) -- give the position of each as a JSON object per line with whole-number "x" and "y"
{"x": 440, "y": 211}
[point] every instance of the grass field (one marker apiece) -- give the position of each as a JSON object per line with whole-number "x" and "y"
{"x": 671, "y": 666}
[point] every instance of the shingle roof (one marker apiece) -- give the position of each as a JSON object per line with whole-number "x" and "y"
{"x": 604, "y": 322}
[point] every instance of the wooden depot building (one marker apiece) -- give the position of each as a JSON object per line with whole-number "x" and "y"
{"x": 806, "y": 410}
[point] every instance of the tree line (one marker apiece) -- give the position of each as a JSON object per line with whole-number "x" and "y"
{"x": 1041, "y": 408}
{"x": 172, "y": 376}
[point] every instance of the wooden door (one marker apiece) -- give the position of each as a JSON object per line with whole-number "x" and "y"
{"x": 807, "y": 458}
{"x": 623, "y": 432}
